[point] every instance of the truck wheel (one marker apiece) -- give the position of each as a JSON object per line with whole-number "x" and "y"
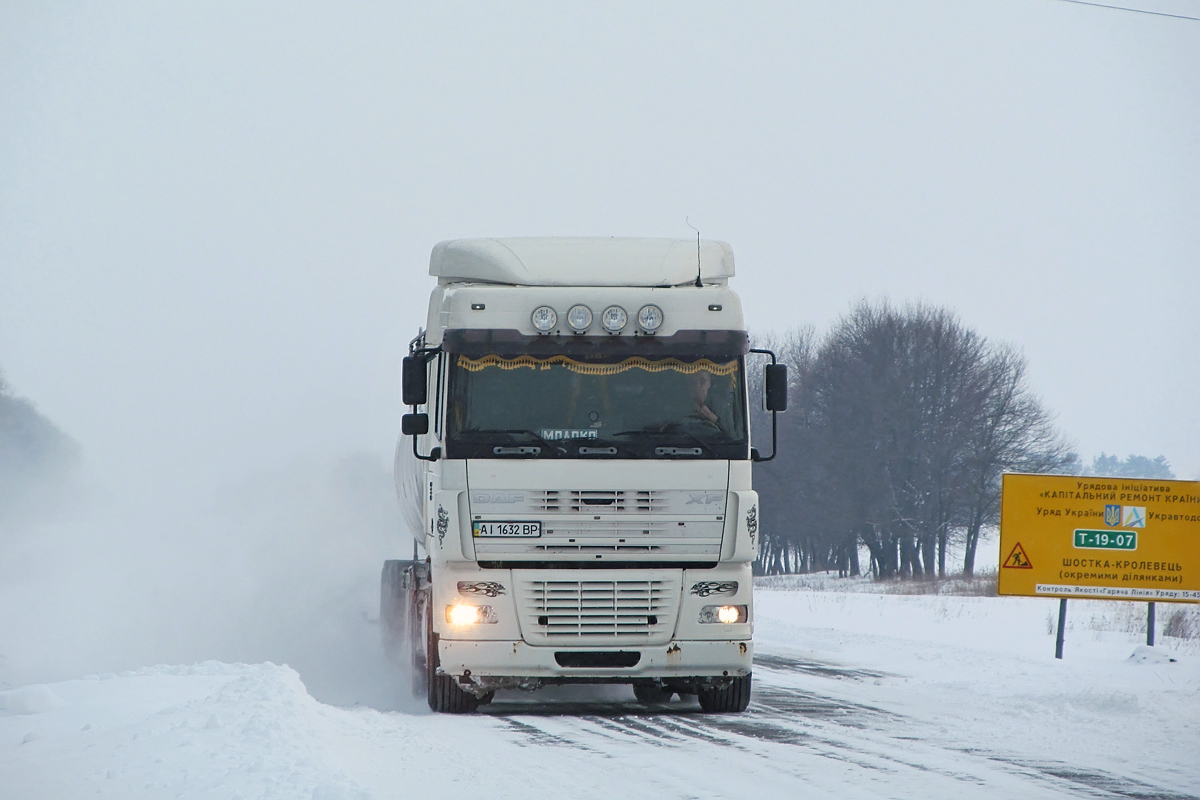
{"x": 393, "y": 616}
{"x": 418, "y": 638}
{"x": 729, "y": 699}
{"x": 445, "y": 696}
{"x": 651, "y": 694}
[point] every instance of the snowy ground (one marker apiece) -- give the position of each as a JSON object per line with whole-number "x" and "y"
{"x": 857, "y": 694}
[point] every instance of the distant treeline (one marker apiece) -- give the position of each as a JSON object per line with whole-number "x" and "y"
{"x": 1108, "y": 466}
{"x": 37, "y": 460}
{"x": 900, "y": 424}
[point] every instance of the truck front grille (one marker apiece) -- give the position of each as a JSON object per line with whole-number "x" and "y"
{"x": 598, "y": 502}
{"x": 655, "y": 525}
{"x": 598, "y": 611}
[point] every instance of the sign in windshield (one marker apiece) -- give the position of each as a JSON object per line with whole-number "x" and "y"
{"x": 565, "y": 407}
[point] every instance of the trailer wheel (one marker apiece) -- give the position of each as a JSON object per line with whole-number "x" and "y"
{"x": 729, "y": 699}
{"x": 393, "y": 616}
{"x": 651, "y": 694}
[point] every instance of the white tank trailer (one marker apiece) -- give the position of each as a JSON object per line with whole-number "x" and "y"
{"x": 576, "y": 469}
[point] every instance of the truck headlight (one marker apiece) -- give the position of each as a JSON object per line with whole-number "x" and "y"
{"x": 464, "y": 614}
{"x": 724, "y": 614}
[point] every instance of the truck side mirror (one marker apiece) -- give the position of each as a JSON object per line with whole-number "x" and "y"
{"x": 776, "y": 387}
{"x": 413, "y": 387}
{"x": 414, "y": 424}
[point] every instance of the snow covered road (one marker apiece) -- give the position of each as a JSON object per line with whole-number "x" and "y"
{"x": 856, "y": 695}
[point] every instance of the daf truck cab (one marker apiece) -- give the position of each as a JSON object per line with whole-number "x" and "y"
{"x": 575, "y": 468}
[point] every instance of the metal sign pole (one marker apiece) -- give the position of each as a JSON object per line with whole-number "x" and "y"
{"x": 1062, "y": 623}
{"x": 1150, "y": 624}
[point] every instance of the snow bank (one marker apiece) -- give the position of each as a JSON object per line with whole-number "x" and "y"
{"x": 209, "y": 730}
{"x": 30, "y": 700}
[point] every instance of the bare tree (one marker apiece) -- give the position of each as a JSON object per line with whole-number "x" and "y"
{"x": 784, "y": 494}
{"x": 1015, "y": 434}
{"x": 901, "y": 423}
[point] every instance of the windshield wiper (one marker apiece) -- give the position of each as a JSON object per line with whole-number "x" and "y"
{"x": 672, "y": 430}
{"x": 585, "y": 450}
{"x": 523, "y": 450}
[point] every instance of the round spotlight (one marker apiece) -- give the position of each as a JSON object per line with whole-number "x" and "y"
{"x": 613, "y": 319}
{"x": 650, "y": 318}
{"x": 544, "y": 319}
{"x": 579, "y": 318}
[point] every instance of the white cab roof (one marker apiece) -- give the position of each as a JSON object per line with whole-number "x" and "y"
{"x": 580, "y": 261}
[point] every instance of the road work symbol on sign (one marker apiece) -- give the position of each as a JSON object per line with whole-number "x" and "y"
{"x": 1017, "y": 559}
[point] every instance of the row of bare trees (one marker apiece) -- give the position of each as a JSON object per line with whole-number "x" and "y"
{"x": 901, "y": 422}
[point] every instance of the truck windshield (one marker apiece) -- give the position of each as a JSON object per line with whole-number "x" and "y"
{"x": 563, "y": 407}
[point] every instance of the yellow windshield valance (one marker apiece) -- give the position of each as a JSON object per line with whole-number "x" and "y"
{"x": 585, "y": 368}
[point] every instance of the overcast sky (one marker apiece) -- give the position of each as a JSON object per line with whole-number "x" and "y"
{"x": 215, "y": 218}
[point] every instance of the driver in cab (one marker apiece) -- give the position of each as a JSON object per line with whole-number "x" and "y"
{"x": 700, "y": 414}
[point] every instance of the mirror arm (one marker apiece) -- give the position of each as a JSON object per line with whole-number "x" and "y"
{"x": 434, "y": 454}
{"x": 774, "y": 422}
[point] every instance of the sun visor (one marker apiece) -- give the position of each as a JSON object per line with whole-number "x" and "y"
{"x": 719, "y": 345}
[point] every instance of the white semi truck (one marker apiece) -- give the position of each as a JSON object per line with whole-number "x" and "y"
{"x": 576, "y": 468}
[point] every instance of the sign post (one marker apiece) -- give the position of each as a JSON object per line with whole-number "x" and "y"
{"x": 1062, "y": 627}
{"x": 1100, "y": 538}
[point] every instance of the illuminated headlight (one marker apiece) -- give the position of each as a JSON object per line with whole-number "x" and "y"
{"x": 650, "y": 318}
{"x": 464, "y": 614}
{"x": 544, "y": 319}
{"x": 579, "y": 318}
{"x": 613, "y": 319}
{"x": 725, "y": 614}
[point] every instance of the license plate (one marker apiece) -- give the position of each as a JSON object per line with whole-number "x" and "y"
{"x": 507, "y": 529}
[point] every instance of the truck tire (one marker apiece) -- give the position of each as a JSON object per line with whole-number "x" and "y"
{"x": 651, "y": 694}
{"x": 393, "y": 616}
{"x": 418, "y": 639}
{"x": 729, "y": 699}
{"x": 444, "y": 694}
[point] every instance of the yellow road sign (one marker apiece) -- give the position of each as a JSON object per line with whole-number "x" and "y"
{"x": 1105, "y": 538}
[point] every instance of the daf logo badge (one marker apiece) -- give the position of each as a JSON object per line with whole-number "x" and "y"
{"x": 484, "y": 497}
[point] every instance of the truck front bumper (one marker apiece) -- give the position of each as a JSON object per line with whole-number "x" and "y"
{"x": 517, "y": 664}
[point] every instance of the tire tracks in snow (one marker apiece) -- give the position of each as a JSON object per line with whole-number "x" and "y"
{"x": 823, "y": 725}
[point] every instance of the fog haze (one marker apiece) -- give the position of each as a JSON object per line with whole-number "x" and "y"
{"x": 215, "y": 219}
